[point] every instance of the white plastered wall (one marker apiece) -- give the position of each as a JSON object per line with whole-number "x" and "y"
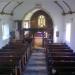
{"x": 51, "y": 8}
{"x": 71, "y": 18}
{"x": 5, "y": 19}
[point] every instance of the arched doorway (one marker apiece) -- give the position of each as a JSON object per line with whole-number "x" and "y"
{"x": 43, "y": 23}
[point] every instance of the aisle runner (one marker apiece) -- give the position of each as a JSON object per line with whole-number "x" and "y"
{"x": 37, "y": 63}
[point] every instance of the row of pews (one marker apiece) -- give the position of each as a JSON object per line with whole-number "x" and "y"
{"x": 60, "y": 59}
{"x": 13, "y": 58}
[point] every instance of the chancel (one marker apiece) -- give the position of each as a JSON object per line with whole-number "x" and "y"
{"x": 37, "y": 37}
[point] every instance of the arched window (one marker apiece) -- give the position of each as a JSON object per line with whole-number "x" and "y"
{"x": 26, "y": 26}
{"x": 68, "y": 32}
{"x": 41, "y": 21}
{"x": 5, "y": 31}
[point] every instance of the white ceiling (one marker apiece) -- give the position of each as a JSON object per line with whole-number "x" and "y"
{"x": 13, "y": 3}
{"x": 9, "y": 7}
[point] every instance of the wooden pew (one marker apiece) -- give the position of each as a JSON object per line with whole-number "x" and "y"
{"x": 9, "y": 57}
{"x": 61, "y": 54}
{"x": 9, "y": 52}
{"x": 61, "y": 58}
{"x": 57, "y": 46}
{"x": 7, "y": 63}
{"x": 59, "y": 51}
{"x": 64, "y": 66}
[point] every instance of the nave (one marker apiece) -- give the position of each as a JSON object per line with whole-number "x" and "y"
{"x": 19, "y": 58}
{"x": 37, "y": 37}
{"x": 37, "y": 63}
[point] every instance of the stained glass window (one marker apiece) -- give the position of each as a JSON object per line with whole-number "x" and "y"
{"x": 41, "y": 21}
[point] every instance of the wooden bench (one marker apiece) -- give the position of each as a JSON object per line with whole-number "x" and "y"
{"x": 57, "y": 46}
{"x": 61, "y": 54}
{"x": 61, "y": 59}
{"x": 64, "y": 66}
{"x": 13, "y": 54}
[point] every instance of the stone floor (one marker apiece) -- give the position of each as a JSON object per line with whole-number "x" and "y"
{"x": 37, "y": 63}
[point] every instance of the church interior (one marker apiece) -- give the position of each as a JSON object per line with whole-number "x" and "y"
{"x": 37, "y": 37}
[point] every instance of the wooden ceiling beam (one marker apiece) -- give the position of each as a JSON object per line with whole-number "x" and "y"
{"x": 5, "y": 13}
{"x": 5, "y": 6}
{"x": 67, "y": 5}
{"x": 19, "y": 3}
{"x": 70, "y": 10}
{"x": 56, "y": 2}
{"x": 63, "y": 11}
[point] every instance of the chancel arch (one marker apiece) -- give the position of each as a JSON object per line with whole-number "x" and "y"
{"x": 39, "y": 21}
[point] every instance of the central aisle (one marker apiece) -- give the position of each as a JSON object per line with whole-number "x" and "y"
{"x": 37, "y": 63}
